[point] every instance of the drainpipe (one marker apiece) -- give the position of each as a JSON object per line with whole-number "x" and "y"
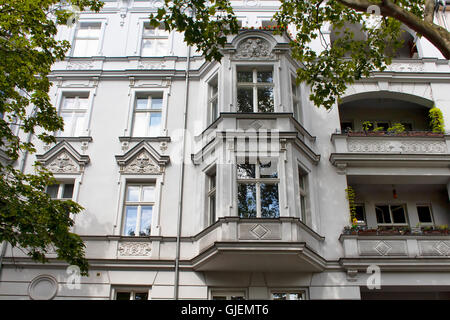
{"x": 180, "y": 191}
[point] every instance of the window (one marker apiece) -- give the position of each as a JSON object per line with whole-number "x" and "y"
{"x": 391, "y": 214}
{"x": 155, "y": 41}
{"x": 289, "y": 295}
{"x": 295, "y": 100}
{"x": 213, "y": 100}
{"x": 212, "y": 197}
{"x": 258, "y": 189}
{"x": 74, "y": 113}
{"x": 360, "y": 214}
{"x": 268, "y": 23}
{"x": 303, "y": 189}
{"x": 137, "y": 294}
{"x": 139, "y": 203}
{"x": 228, "y": 295}
{"x": 62, "y": 191}
{"x": 255, "y": 90}
{"x": 147, "y": 116}
{"x": 346, "y": 126}
{"x": 87, "y": 39}
{"x": 424, "y": 213}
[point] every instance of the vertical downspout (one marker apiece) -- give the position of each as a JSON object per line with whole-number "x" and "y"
{"x": 180, "y": 192}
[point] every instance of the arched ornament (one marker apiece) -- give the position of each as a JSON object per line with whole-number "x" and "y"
{"x": 254, "y": 48}
{"x": 63, "y": 158}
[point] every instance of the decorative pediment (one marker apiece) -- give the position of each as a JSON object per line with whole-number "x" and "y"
{"x": 254, "y": 48}
{"x": 142, "y": 159}
{"x": 63, "y": 158}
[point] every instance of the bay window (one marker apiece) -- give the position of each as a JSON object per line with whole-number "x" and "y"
{"x": 258, "y": 189}
{"x": 255, "y": 89}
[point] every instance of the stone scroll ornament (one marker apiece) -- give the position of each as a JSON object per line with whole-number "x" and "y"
{"x": 63, "y": 163}
{"x": 254, "y": 48}
{"x": 143, "y": 163}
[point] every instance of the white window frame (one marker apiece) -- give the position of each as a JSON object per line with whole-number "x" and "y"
{"x": 303, "y": 192}
{"x": 132, "y": 290}
{"x": 212, "y": 194}
{"x": 287, "y": 291}
{"x": 392, "y": 224}
{"x": 139, "y": 204}
{"x": 296, "y": 100}
{"x": 103, "y": 22}
{"x": 228, "y": 293}
{"x": 257, "y": 181}
{"x": 213, "y": 97}
{"x": 165, "y": 35}
{"x": 64, "y": 92}
{"x": 74, "y": 111}
{"x": 61, "y": 189}
{"x": 432, "y": 223}
{"x": 139, "y": 92}
{"x": 149, "y": 111}
{"x": 71, "y": 178}
{"x": 255, "y": 84}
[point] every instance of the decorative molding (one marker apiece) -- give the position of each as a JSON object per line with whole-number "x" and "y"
{"x": 142, "y": 159}
{"x": 43, "y": 287}
{"x": 134, "y": 249}
{"x": 150, "y": 65}
{"x": 80, "y": 65}
{"x": 382, "y": 248}
{"x": 63, "y": 158}
{"x": 406, "y": 67}
{"x": 254, "y": 49}
{"x": 396, "y": 146}
{"x": 259, "y": 231}
{"x": 434, "y": 248}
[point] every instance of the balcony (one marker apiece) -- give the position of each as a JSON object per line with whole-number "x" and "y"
{"x": 397, "y": 252}
{"x": 265, "y": 245}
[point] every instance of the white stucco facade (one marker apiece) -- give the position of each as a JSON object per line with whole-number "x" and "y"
{"x": 191, "y": 251}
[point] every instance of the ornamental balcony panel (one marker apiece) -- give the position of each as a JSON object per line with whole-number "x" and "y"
{"x": 234, "y": 244}
{"x": 397, "y": 252}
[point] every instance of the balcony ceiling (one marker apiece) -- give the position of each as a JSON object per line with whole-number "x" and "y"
{"x": 259, "y": 257}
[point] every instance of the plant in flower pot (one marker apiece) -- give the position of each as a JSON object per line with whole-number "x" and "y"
{"x": 367, "y": 232}
{"x": 431, "y": 230}
{"x": 443, "y": 228}
{"x": 387, "y": 231}
{"x": 397, "y": 129}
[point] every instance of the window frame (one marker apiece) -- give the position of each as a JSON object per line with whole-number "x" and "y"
{"x": 61, "y": 188}
{"x": 254, "y": 85}
{"x": 228, "y": 293}
{"x": 99, "y": 52}
{"x": 149, "y": 111}
{"x": 139, "y": 204}
{"x": 258, "y": 181}
{"x": 362, "y": 222}
{"x": 392, "y": 224}
{"x": 296, "y": 100}
{"x": 287, "y": 291}
{"x": 213, "y": 97}
{"x": 432, "y": 223}
{"x": 132, "y": 289}
{"x": 74, "y": 111}
{"x": 212, "y": 196}
{"x": 156, "y": 37}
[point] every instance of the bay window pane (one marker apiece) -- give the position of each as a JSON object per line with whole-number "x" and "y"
{"x": 78, "y": 124}
{"x": 264, "y": 76}
{"x": 155, "y": 124}
{"x": 146, "y": 220}
{"x": 133, "y": 193}
{"x": 142, "y": 103}
{"x": 245, "y": 100}
{"x": 140, "y": 124}
{"x": 269, "y": 201}
{"x": 245, "y": 76}
{"x": 68, "y": 119}
{"x": 247, "y": 200}
{"x": 246, "y": 171}
{"x": 148, "y": 194}
{"x": 265, "y": 99}
{"x": 268, "y": 169}
{"x": 130, "y": 220}
{"x": 157, "y": 103}
{"x": 383, "y": 215}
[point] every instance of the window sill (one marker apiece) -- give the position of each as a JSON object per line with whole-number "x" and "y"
{"x": 148, "y": 139}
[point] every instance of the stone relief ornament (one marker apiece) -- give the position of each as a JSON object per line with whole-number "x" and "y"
{"x": 254, "y": 48}
{"x": 79, "y": 66}
{"x": 135, "y": 249}
{"x": 63, "y": 163}
{"x": 143, "y": 163}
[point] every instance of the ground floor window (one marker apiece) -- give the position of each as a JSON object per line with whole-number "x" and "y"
{"x": 227, "y": 295}
{"x": 131, "y": 294}
{"x": 288, "y": 295}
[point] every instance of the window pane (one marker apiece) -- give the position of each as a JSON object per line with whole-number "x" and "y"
{"x": 295, "y": 296}
{"x": 157, "y": 103}
{"x": 82, "y": 103}
{"x": 246, "y": 171}
{"x": 161, "y": 47}
{"x": 212, "y": 208}
{"x": 269, "y": 201}
{"x": 140, "y": 124}
{"x": 214, "y": 110}
{"x": 130, "y": 221}
{"x": 123, "y": 295}
{"x": 52, "y": 191}
{"x": 133, "y": 193}
{"x": 303, "y": 207}
{"x": 155, "y": 124}
{"x": 424, "y": 213}
{"x": 219, "y": 298}
{"x": 279, "y": 296}
{"x": 268, "y": 169}
{"x": 245, "y": 100}
{"x": 142, "y": 103}
{"x": 69, "y": 103}
{"x": 383, "y": 215}
{"x": 148, "y": 194}
{"x": 237, "y": 298}
{"x": 78, "y": 124}
{"x": 384, "y": 125}
{"x": 68, "y": 124}
{"x": 247, "y": 200}
{"x": 359, "y": 215}
{"x": 146, "y": 220}
{"x": 85, "y": 47}
{"x": 68, "y": 191}
{"x": 398, "y": 214}
{"x": 141, "y": 296}
{"x": 264, "y": 76}
{"x": 265, "y": 99}
{"x": 346, "y": 126}
{"x": 245, "y": 76}
{"x": 146, "y": 48}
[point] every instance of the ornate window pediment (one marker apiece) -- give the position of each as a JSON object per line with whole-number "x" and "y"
{"x": 63, "y": 158}
{"x": 142, "y": 159}
{"x": 254, "y": 48}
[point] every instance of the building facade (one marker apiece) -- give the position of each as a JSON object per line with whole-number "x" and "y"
{"x": 207, "y": 180}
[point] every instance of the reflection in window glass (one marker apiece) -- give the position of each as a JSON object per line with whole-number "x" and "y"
{"x": 247, "y": 200}
{"x": 269, "y": 201}
{"x": 138, "y": 210}
{"x": 255, "y": 91}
